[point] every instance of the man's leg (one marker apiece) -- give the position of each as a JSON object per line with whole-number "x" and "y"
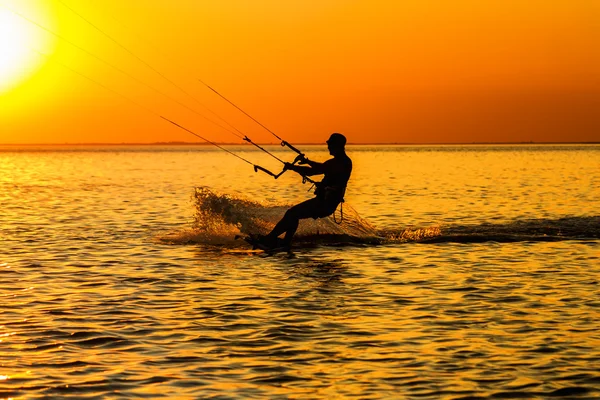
{"x": 289, "y": 222}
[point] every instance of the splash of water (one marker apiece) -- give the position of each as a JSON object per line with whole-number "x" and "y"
{"x": 219, "y": 218}
{"x": 410, "y": 234}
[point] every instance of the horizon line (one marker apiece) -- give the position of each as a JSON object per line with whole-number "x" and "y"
{"x": 182, "y": 143}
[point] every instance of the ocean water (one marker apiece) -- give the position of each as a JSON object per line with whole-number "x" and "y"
{"x": 458, "y": 272}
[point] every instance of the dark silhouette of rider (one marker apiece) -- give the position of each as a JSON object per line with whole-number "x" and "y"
{"x": 329, "y": 193}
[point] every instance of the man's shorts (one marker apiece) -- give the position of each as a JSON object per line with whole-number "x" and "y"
{"x": 314, "y": 208}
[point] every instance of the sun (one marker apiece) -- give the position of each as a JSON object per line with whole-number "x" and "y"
{"x": 20, "y": 42}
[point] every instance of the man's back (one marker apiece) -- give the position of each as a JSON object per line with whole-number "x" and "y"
{"x": 337, "y": 173}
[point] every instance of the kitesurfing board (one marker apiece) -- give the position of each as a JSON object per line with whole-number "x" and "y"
{"x": 256, "y": 244}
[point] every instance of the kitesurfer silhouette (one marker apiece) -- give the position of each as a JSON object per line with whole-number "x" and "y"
{"x": 329, "y": 193}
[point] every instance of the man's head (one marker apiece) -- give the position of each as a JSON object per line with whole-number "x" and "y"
{"x": 336, "y": 143}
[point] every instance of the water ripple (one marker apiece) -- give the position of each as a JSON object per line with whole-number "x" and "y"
{"x": 94, "y": 306}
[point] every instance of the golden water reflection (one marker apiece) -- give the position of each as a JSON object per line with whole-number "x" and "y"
{"x": 93, "y": 305}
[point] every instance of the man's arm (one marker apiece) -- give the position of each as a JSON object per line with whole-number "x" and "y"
{"x": 315, "y": 168}
{"x": 313, "y": 164}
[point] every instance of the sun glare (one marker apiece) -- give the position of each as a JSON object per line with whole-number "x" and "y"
{"x": 18, "y": 45}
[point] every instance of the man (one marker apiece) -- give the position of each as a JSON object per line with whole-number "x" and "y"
{"x": 329, "y": 193}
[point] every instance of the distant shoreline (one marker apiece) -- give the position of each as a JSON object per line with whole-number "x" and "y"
{"x": 298, "y": 144}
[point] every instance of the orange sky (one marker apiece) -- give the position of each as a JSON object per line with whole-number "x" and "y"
{"x": 407, "y": 71}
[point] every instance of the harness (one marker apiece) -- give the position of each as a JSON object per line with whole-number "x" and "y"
{"x": 323, "y": 192}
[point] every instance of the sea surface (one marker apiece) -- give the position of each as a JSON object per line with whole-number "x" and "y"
{"x": 457, "y": 272}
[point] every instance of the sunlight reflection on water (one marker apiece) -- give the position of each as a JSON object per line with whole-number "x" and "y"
{"x": 94, "y": 306}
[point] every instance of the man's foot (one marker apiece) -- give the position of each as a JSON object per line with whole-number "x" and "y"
{"x": 280, "y": 246}
{"x": 267, "y": 241}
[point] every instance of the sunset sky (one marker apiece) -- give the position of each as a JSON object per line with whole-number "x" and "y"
{"x": 379, "y": 71}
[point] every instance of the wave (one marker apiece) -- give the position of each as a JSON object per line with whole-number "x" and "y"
{"x": 220, "y": 218}
{"x": 524, "y": 230}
